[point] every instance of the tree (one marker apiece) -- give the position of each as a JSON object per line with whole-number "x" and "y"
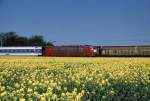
{"x": 36, "y": 40}
{"x": 12, "y": 39}
{"x": 22, "y": 41}
{"x": 49, "y": 44}
{"x": 9, "y": 38}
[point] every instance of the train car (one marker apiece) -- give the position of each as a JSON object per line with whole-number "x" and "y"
{"x": 123, "y": 50}
{"x": 21, "y": 51}
{"x": 98, "y": 50}
{"x": 70, "y": 51}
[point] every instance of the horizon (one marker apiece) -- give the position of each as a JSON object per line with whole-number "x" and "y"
{"x": 95, "y": 22}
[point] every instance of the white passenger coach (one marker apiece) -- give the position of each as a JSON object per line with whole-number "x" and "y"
{"x": 21, "y": 51}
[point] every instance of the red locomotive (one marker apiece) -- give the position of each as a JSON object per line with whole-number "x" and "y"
{"x": 70, "y": 51}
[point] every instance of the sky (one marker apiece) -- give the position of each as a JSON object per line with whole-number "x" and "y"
{"x": 76, "y": 22}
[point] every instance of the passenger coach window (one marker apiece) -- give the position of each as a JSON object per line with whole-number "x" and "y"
{"x": 17, "y": 50}
{"x": 26, "y": 51}
{"x": 38, "y": 50}
{"x": 13, "y": 51}
{"x": 31, "y": 50}
{"x": 9, "y": 51}
{"x": 4, "y": 51}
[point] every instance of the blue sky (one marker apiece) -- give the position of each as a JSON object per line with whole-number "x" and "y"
{"x": 95, "y": 22}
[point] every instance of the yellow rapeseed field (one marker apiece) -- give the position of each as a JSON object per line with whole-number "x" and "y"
{"x": 74, "y": 79}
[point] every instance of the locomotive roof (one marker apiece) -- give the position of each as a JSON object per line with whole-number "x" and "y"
{"x": 73, "y": 46}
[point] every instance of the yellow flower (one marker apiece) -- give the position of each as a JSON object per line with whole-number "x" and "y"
{"x": 42, "y": 98}
{"x": 73, "y": 78}
{"x": 103, "y": 81}
{"x": 17, "y": 85}
{"x": 22, "y": 99}
{"x": 3, "y": 93}
{"x": 54, "y": 97}
{"x": 63, "y": 94}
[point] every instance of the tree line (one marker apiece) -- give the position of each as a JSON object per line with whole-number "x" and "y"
{"x": 12, "y": 39}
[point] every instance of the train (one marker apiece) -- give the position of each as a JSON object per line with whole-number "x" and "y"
{"x": 78, "y": 51}
{"x": 73, "y": 51}
{"x": 21, "y": 51}
{"x": 125, "y": 51}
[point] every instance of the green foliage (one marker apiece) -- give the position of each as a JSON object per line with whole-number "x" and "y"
{"x": 12, "y": 39}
